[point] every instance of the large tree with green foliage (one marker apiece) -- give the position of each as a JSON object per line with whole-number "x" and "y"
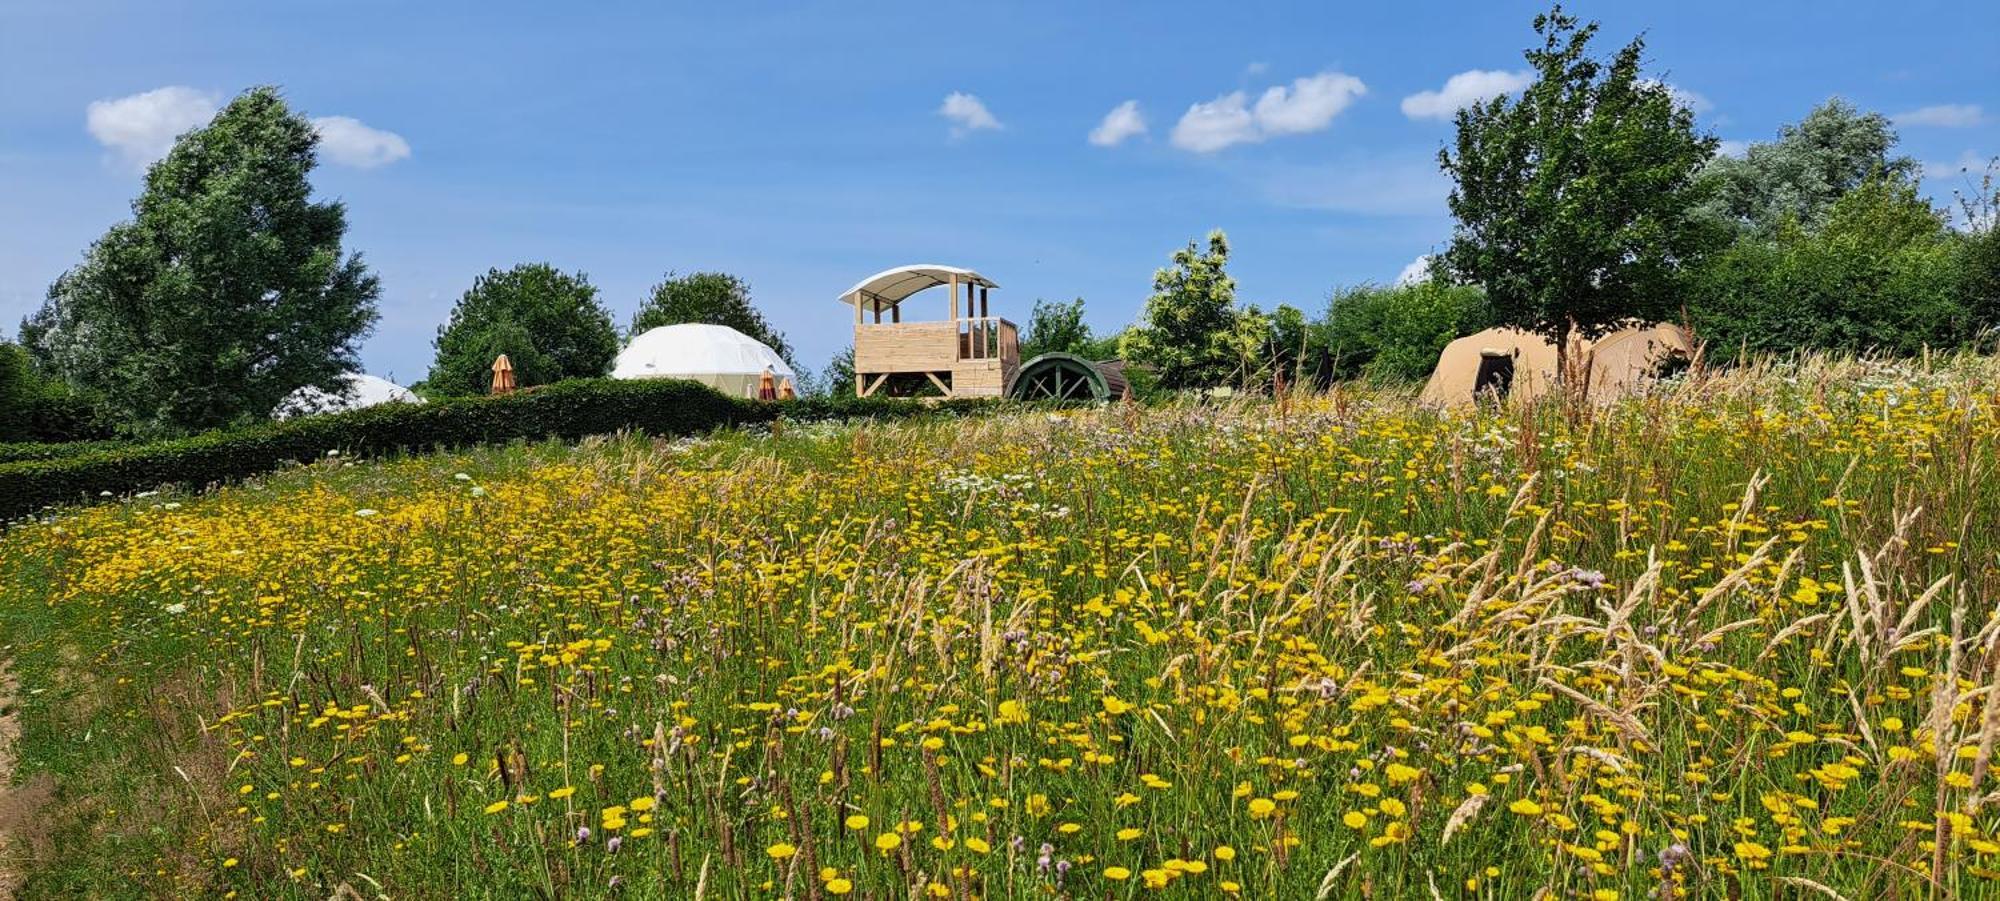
{"x": 1188, "y": 331}
{"x": 1056, "y": 327}
{"x": 226, "y": 291}
{"x": 1800, "y": 176}
{"x": 549, "y": 323}
{"x": 717, "y": 298}
{"x": 1573, "y": 202}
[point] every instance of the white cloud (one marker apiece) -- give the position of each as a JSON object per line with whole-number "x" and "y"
{"x": 1463, "y": 90}
{"x": 1222, "y": 122}
{"x": 1943, "y": 115}
{"x": 141, "y": 128}
{"x": 1694, "y": 102}
{"x": 1738, "y": 149}
{"x": 1306, "y": 105}
{"x": 1124, "y": 121}
{"x": 347, "y": 142}
{"x": 966, "y": 113}
{"x": 1418, "y": 272}
{"x": 1968, "y": 163}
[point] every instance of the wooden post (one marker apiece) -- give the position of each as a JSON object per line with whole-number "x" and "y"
{"x": 954, "y": 297}
{"x": 982, "y": 302}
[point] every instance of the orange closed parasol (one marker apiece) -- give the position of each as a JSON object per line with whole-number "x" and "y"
{"x": 503, "y": 375}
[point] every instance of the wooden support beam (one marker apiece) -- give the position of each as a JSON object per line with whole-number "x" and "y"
{"x": 876, "y": 385}
{"x": 940, "y": 383}
{"x": 954, "y": 297}
{"x": 982, "y": 302}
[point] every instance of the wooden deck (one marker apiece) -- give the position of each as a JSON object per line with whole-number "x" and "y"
{"x": 964, "y": 357}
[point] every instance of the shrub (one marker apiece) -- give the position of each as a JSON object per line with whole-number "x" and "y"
{"x": 566, "y": 410}
{"x": 1883, "y": 275}
{"x": 1397, "y": 333}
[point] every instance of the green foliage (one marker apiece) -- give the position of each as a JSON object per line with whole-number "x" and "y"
{"x": 1396, "y": 333}
{"x": 1573, "y": 202}
{"x": 1800, "y": 176}
{"x": 1979, "y": 260}
{"x": 717, "y": 298}
{"x": 566, "y": 410}
{"x": 1882, "y": 275}
{"x": 1189, "y": 332}
{"x": 1056, "y": 327}
{"x": 549, "y": 323}
{"x": 36, "y": 408}
{"x": 839, "y": 374}
{"x": 226, "y": 291}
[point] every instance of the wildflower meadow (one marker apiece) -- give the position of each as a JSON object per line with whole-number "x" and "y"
{"x": 1732, "y": 638}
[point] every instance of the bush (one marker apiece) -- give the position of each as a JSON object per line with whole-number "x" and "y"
{"x": 1883, "y": 275}
{"x": 566, "y": 410}
{"x": 1397, "y": 333}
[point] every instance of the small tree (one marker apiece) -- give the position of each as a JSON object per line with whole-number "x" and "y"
{"x": 1054, "y": 327}
{"x": 1573, "y": 202}
{"x": 1396, "y": 333}
{"x": 717, "y": 298}
{"x": 549, "y": 323}
{"x": 1188, "y": 332}
{"x": 226, "y": 291}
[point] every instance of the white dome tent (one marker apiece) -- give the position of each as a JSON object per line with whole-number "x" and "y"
{"x": 363, "y": 390}
{"x": 715, "y": 355}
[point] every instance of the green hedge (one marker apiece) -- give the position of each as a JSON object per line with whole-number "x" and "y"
{"x": 16, "y": 451}
{"x": 566, "y": 410}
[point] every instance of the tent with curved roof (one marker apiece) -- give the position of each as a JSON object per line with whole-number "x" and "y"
{"x": 1627, "y": 361}
{"x": 1521, "y": 365}
{"x": 886, "y": 289}
{"x": 715, "y": 355}
{"x": 363, "y": 390}
{"x": 1510, "y": 361}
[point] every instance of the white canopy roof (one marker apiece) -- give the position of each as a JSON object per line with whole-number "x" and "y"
{"x": 698, "y": 351}
{"x": 890, "y": 287}
{"x": 363, "y": 390}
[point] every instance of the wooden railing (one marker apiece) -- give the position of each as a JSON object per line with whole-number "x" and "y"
{"x": 988, "y": 338}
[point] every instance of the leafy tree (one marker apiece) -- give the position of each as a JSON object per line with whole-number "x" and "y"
{"x": 226, "y": 291}
{"x": 1054, "y": 327}
{"x": 1396, "y": 333}
{"x": 1883, "y": 274}
{"x": 549, "y": 323}
{"x": 1798, "y": 177}
{"x": 839, "y": 373}
{"x": 1979, "y": 211}
{"x": 1188, "y": 331}
{"x": 1573, "y": 202}
{"x": 717, "y": 298}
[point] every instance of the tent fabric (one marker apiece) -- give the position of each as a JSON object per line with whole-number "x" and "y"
{"x": 1457, "y": 370}
{"x": 1620, "y": 363}
{"x": 363, "y": 390}
{"x": 890, "y": 287}
{"x": 1624, "y": 362}
{"x": 715, "y": 355}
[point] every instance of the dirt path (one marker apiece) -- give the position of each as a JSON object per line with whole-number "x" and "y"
{"x": 17, "y": 803}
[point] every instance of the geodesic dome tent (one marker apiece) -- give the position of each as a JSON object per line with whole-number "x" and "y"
{"x": 715, "y": 355}
{"x": 363, "y": 390}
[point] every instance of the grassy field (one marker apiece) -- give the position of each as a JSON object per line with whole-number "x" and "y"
{"x": 1737, "y": 639}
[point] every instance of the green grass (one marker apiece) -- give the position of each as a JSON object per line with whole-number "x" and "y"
{"x": 1314, "y": 632}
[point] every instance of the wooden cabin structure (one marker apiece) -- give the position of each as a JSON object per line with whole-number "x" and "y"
{"x": 969, "y": 353}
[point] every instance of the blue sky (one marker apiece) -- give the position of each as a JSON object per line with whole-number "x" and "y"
{"x": 804, "y": 147}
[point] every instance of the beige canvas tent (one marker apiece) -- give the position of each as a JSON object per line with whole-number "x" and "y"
{"x": 1509, "y": 362}
{"x": 1518, "y": 365}
{"x": 1626, "y": 361}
